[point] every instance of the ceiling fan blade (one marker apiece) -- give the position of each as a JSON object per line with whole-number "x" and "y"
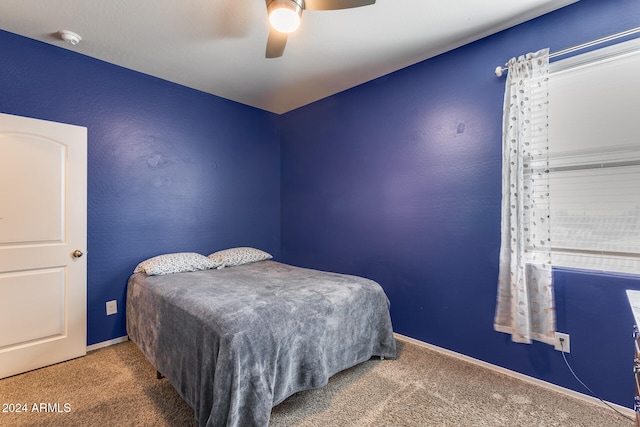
{"x": 275, "y": 44}
{"x": 335, "y": 4}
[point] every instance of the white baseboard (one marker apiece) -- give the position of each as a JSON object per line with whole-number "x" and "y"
{"x": 107, "y": 343}
{"x": 589, "y": 399}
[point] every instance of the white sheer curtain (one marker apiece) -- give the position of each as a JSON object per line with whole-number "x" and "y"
{"x": 525, "y": 305}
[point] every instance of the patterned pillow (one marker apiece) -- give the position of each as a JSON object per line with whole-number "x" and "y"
{"x": 238, "y": 256}
{"x": 174, "y": 263}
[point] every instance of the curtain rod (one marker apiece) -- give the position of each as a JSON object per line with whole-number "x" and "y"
{"x": 499, "y": 70}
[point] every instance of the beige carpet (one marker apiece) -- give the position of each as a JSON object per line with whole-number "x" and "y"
{"x": 116, "y": 386}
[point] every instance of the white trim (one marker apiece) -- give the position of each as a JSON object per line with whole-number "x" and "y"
{"x": 549, "y": 386}
{"x": 553, "y": 387}
{"x": 107, "y": 343}
{"x": 596, "y": 42}
{"x": 500, "y": 70}
{"x": 597, "y": 78}
{"x": 630, "y": 47}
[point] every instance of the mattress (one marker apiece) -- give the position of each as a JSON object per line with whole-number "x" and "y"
{"x": 237, "y": 341}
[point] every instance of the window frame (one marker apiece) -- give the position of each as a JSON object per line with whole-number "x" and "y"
{"x": 594, "y": 260}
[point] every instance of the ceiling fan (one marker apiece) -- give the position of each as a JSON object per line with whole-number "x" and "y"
{"x": 285, "y": 15}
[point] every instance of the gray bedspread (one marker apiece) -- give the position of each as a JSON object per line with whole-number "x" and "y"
{"x": 236, "y": 342}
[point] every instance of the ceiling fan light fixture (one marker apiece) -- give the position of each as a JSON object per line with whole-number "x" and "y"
{"x": 285, "y": 15}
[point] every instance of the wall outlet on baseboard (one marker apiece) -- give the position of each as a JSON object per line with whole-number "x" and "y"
{"x": 562, "y": 342}
{"x": 112, "y": 307}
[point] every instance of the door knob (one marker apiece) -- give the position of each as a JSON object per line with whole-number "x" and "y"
{"x": 77, "y": 253}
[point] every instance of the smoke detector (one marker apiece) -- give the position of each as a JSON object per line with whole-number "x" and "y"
{"x": 70, "y": 37}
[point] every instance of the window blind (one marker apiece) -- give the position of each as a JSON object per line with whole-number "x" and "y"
{"x": 594, "y": 160}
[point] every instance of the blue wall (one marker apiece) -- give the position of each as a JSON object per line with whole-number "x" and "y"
{"x": 169, "y": 168}
{"x": 399, "y": 180}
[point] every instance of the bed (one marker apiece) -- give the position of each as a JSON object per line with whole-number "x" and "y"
{"x": 236, "y": 341}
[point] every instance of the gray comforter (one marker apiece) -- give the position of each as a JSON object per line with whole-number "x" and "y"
{"x": 236, "y": 342}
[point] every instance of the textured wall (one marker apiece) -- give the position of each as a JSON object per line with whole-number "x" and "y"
{"x": 170, "y": 169}
{"x": 399, "y": 180}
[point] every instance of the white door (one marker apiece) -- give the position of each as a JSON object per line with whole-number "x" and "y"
{"x": 43, "y": 222}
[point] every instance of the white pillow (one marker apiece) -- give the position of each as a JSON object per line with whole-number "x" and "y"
{"x": 238, "y": 256}
{"x": 174, "y": 263}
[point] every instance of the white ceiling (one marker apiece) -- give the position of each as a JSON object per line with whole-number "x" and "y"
{"x": 218, "y": 46}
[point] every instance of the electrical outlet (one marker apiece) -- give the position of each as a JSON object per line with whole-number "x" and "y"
{"x": 112, "y": 307}
{"x": 562, "y": 342}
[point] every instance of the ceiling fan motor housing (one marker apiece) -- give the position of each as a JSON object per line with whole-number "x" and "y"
{"x": 290, "y": 4}
{"x": 285, "y": 16}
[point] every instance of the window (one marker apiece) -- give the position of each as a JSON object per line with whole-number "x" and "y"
{"x": 594, "y": 159}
